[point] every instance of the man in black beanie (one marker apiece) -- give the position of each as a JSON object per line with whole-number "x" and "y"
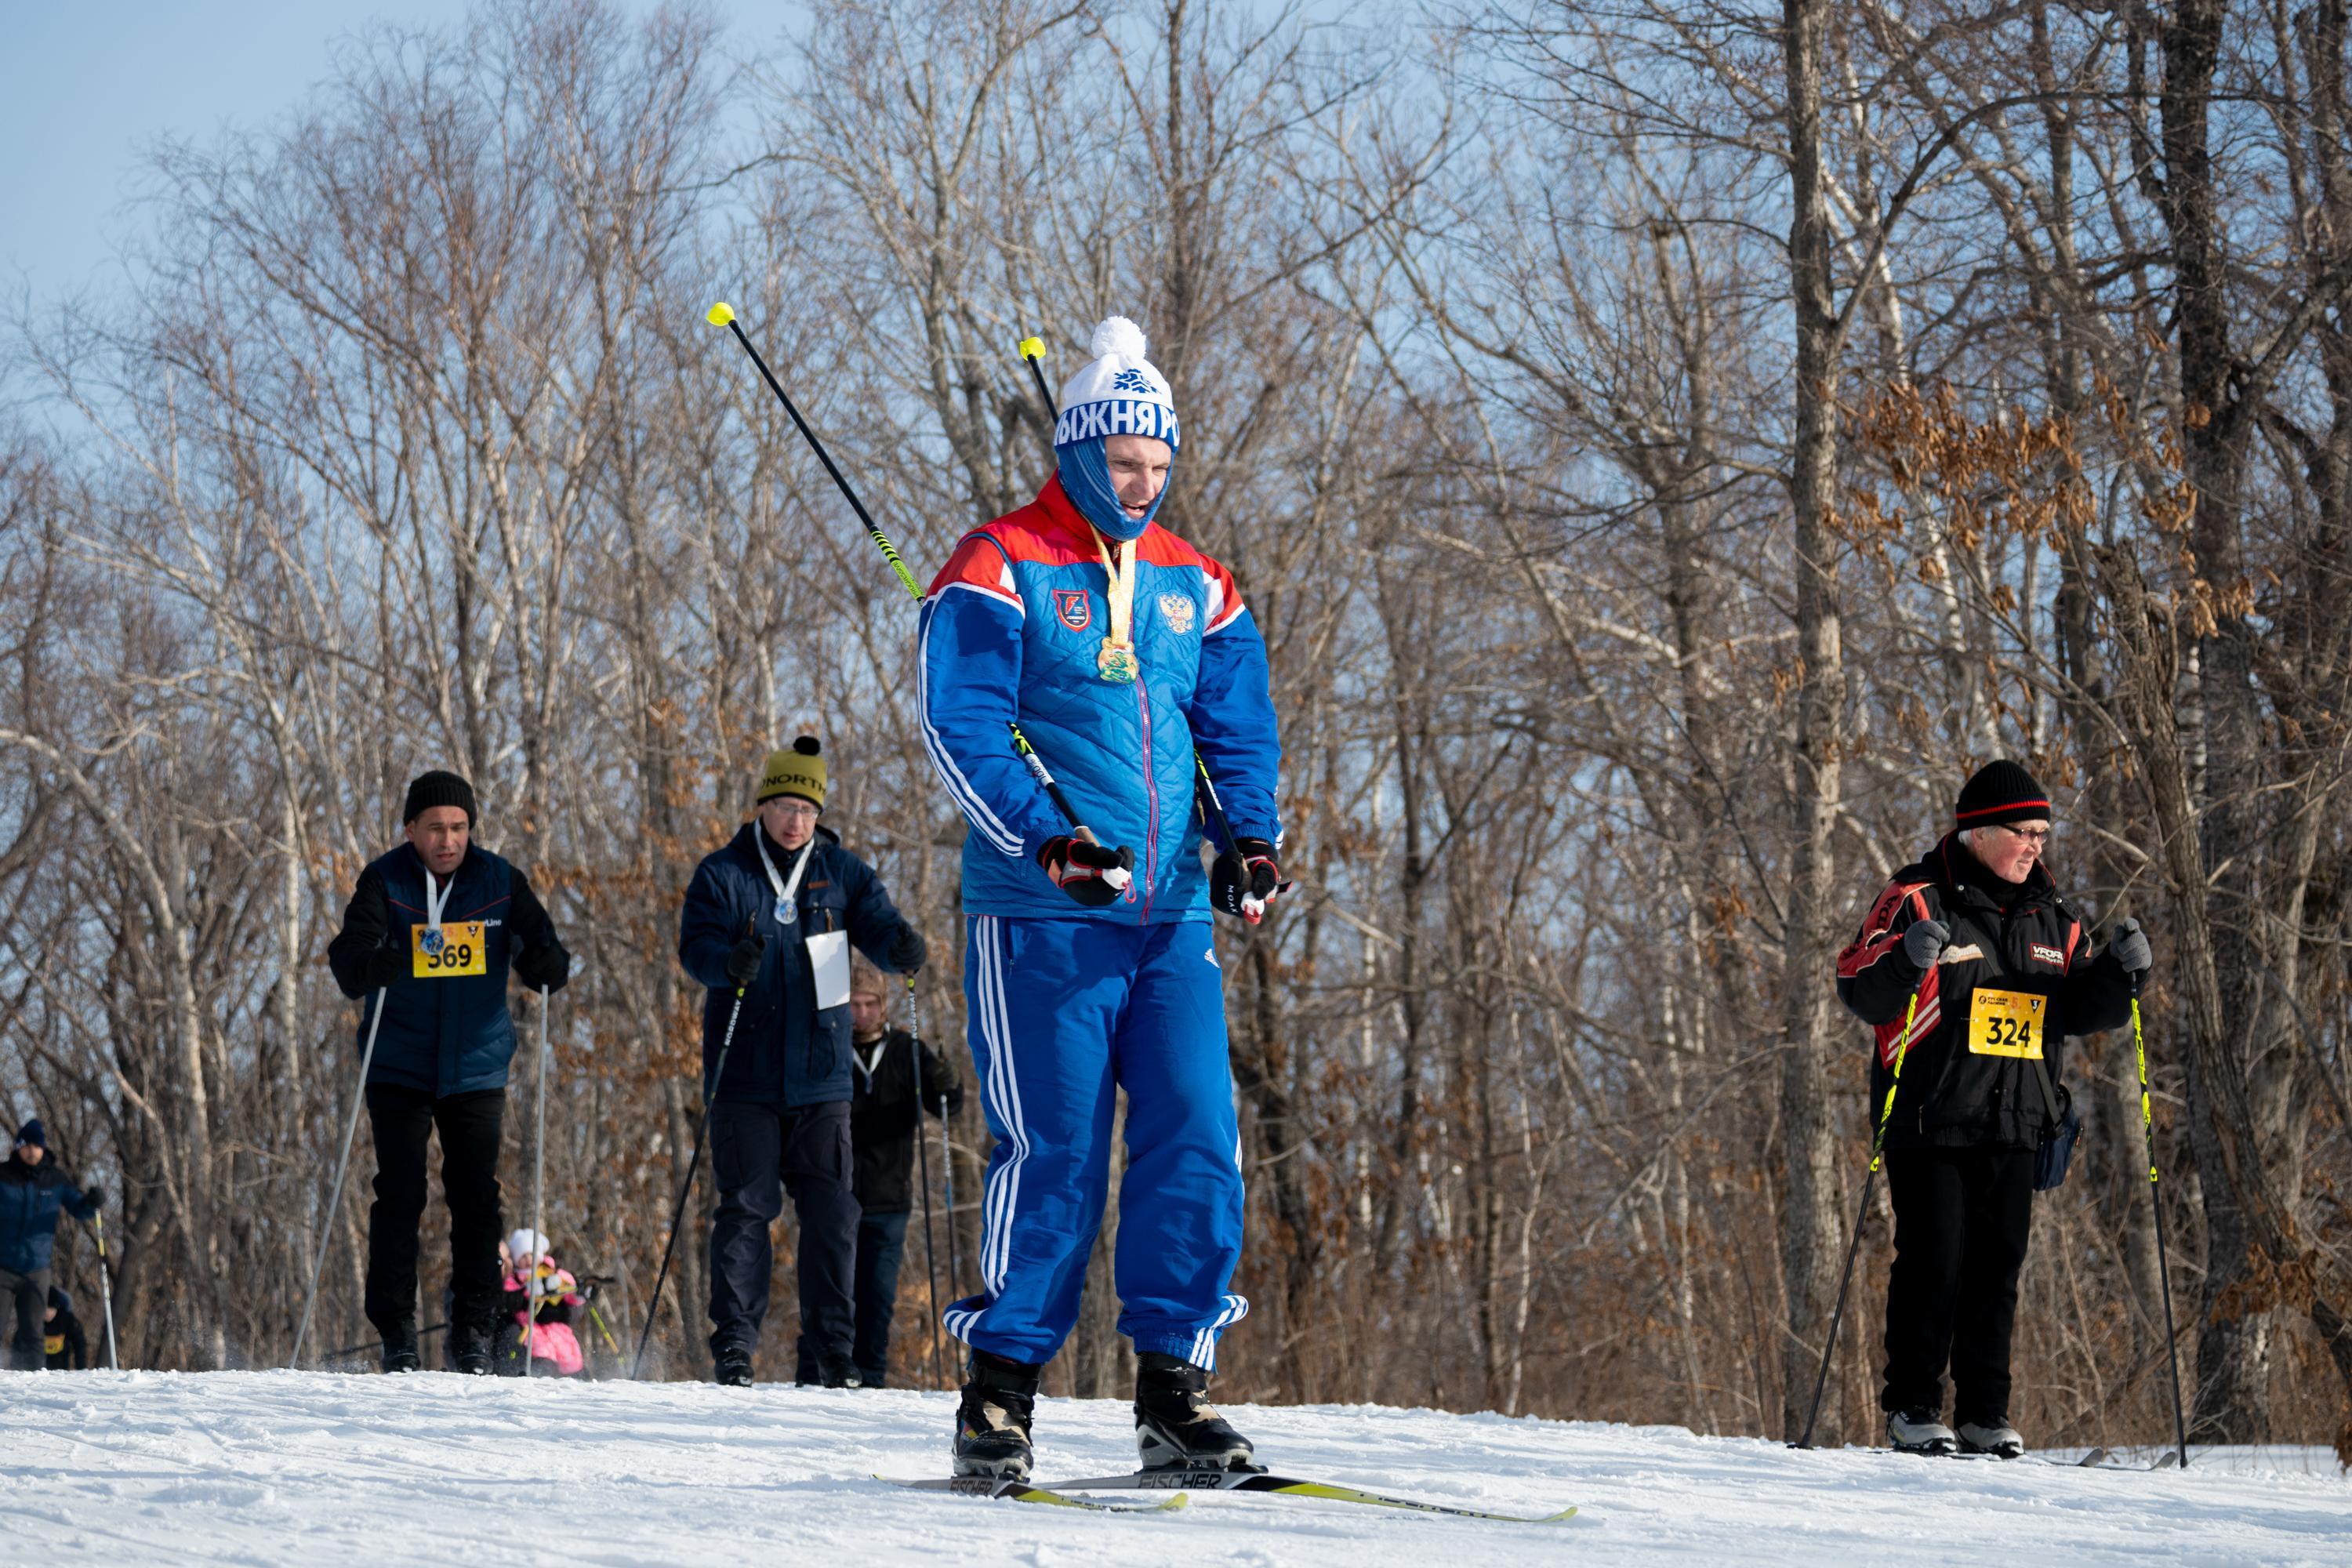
{"x": 430, "y": 935}
{"x": 1972, "y": 952}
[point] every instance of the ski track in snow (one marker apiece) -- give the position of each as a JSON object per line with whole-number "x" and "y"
{"x": 310, "y": 1469}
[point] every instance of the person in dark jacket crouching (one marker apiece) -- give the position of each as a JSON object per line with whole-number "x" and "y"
{"x": 64, "y": 1344}
{"x": 432, "y": 933}
{"x": 32, "y": 1193}
{"x": 767, "y": 923}
{"x": 1975, "y": 948}
{"x": 883, "y": 1123}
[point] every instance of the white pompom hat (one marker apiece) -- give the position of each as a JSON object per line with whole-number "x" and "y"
{"x": 526, "y": 1246}
{"x": 1120, "y": 394}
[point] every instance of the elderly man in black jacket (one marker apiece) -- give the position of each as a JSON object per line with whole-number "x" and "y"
{"x": 1974, "y": 970}
{"x": 883, "y": 1123}
{"x": 767, "y": 925}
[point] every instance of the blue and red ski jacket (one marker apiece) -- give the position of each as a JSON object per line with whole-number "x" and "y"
{"x": 1010, "y": 630}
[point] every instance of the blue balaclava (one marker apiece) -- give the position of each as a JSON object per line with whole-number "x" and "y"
{"x": 1119, "y": 393}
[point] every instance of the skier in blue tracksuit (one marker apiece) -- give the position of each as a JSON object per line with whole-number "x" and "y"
{"x": 1120, "y": 649}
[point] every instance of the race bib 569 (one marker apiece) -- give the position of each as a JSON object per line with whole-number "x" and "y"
{"x": 456, "y": 949}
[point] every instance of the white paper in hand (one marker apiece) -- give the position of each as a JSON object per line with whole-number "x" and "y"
{"x": 828, "y": 954}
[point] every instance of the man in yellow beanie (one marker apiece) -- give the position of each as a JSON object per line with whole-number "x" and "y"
{"x": 769, "y": 919}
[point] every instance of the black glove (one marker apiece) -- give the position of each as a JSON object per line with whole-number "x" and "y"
{"x": 549, "y": 966}
{"x": 1925, "y": 943}
{"x": 1086, "y": 870}
{"x": 96, "y": 1196}
{"x": 383, "y": 965}
{"x": 2130, "y": 947}
{"x": 1244, "y": 883}
{"x": 744, "y": 960}
{"x": 906, "y": 951}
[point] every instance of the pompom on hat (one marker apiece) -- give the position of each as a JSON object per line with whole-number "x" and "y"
{"x": 797, "y": 770}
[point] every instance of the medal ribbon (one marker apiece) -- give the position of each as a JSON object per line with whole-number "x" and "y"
{"x": 437, "y": 896}
{"x": 784, "y": 891}
{"x": 1121, "y": 595}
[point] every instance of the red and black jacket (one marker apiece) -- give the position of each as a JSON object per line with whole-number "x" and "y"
{"x": 1953, "y": 1097}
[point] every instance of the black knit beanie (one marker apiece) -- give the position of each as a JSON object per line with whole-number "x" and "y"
{"x": 2001, "y": 791}
{"x": 438, "y": 788}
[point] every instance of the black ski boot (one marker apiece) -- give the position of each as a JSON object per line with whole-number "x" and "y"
{"x": 992, "y": 1423}
{"x": 471, "y": 1347}
{"x": 836, "y": 1372}
{"x": 732, "y": 1365}
{"x": 1176, "y": 1428}
{"x": 400, "y": 1348}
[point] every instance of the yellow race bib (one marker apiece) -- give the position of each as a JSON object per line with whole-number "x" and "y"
{"x": 2007, "y": 1023}
{"x": 456, "y": 949}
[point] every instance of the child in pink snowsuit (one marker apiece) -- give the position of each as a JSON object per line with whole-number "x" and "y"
{"x": 532, "y": 1273}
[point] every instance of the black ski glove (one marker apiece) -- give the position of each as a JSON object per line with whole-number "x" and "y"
{"x": 906, "y": 951}
{"x": 1086, "y": 870}
{"x": 549, "y": 966}
{"x": 2130, "y": 947}
{"x": 1244, "y": 883}
{"x": 743, "y": 960}
{"x": 1925, "y": 943}
{"x": 96, "y": 1196}
{"x": 384, "y": 965}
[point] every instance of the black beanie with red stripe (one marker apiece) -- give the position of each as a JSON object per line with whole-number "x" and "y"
{"x": 2001, "y": 791}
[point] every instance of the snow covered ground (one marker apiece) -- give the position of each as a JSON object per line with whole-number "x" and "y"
{"x": 312, "y": 1468}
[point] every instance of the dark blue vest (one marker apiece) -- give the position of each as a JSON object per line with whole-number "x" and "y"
{"x": 450, "y": 1035}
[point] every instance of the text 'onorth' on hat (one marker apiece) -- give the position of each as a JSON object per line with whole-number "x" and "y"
{"x": 797, "y": 770}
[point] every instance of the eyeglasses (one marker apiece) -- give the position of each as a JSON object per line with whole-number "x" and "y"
{"x": 2037, "y": 836}
{"x": 791, "y": 810}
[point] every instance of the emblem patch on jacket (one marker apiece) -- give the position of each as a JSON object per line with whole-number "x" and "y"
{"x": 1075, "y": 609}
{"x": 2049, "y": 955}
{"x": 1176, "y": 609}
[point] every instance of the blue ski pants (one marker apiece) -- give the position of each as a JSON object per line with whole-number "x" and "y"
{"x": 1063, "y": 1012}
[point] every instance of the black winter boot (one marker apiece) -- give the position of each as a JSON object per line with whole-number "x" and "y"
{"x": 992, "y": 1423}
{"x": 732, "y": 1365}
{"x": 471, "y": 1347}
{"x": 400, "y": 1348}
{"x": 836, "y": 1372}
{"x": 1176, "y": 1428}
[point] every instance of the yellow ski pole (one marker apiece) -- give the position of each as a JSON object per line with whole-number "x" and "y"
{"x": 1846, "y": 1279}
{"x": 2156, "y": 1198}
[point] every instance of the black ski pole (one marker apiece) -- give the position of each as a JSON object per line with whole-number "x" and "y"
{"x": 2156, "y": 1198}
{"x": 684, "y": 1188}
{"x": 342, "y": 1168}
{"x": 947, "y": 1183}
{"x": 923, "y": 1160}
{"x": 1845, "y": 1276}
{"x": 722, "y": 314}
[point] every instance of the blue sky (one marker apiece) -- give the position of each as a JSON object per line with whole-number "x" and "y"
{"x": 83, "y": 93}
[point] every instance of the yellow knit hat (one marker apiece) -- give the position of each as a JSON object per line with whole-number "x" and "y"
{"x": 799, "y": 771}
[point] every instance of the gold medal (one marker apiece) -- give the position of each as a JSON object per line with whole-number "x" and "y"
{"x": 1116, "y": 660}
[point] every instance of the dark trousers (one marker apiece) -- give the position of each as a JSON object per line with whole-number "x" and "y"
{"x": 759, "y": 1153}
{"x": 30, "y": 1294}
{"x": 400, "y": 1119}
{"x": 1961, "y": 1217}
{"x": 881, "y": 1244}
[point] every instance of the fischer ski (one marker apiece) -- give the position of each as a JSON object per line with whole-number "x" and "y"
{"x": 1022, "y": 1491}
{"x": 1271, "y": 1485}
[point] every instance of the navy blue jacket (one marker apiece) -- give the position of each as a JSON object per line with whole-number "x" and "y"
{"x": 786, "y": 1051}
{"x": 30, "y": 1197}
{"x": 452, "y": 1035}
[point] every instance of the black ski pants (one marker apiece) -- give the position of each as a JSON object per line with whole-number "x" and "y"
{"x": 1961, "y": 1217}
{"x": 759, "y": 1153}
{"x": 402, "y": 1118}
{"x": 29, "y": 1294}
{"x": 881, "y": 1244}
